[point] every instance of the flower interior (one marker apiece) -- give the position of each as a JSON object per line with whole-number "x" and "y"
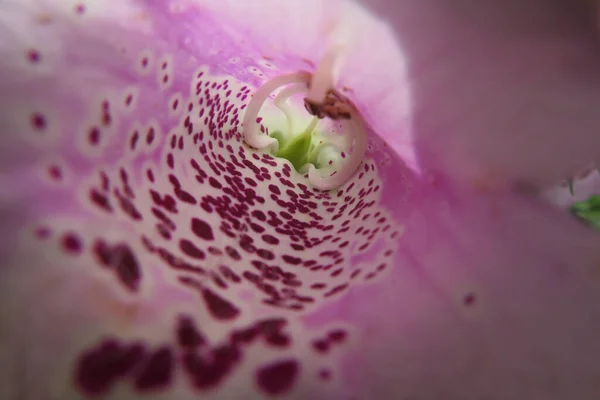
{"x": 182, "y": 237}
{"x": 328, "y": 159}
{"x": 188, "y": 213}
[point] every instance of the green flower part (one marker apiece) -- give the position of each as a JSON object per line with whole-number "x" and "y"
{"x": 299, "y": 149}
{"x": 588, "y": 211}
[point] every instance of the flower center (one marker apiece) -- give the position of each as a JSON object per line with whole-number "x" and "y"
{"x": 329, "y": 159}
{"x": 299, "y": 150}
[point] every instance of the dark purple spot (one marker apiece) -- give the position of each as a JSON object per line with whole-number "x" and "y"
{"x": 100, "y": 200}
{"x": 94, "y": 136}
{"x": 229, "y": 274}
{"x": 207, "y": 374}
{"x": 291, "y": 259}
{"x": 105, "y": 181}
{"x": 337, "y": 336}
{"x": 251, "y": 276}
{"x": 79, "y": 9}
{"x": 318, "y": 286}
{"x": 99, "y": 369}
{"x": 233, "y": 253}
{"x": 279, "y": 377}
{"x": 245, "y": 336}
{"x": 42, "y": 232}
{"x": 187, "y": 334}
{"x": 150, "y": 175}
{"x": 128, "y": 208}
{"x": 38, "y": 121}
{"x": 325, "y": 374}
{"x": 166, "y": 220}
{"x": 219, "y": 308}
{"x": 469, "y": 299}
{"x": 185, "y": 196}
{"x": 265, "y": 254}
{"x": 257, "y": 228}
{"x": 215, "y": 251}
{"x": 124, "y": 176}
{"x": 304, "y": 299}
{"x": 106, "y": 119}
{"x": 218, "y": 280}
{"x": 202, "y": 229}
{"x": 55, "y": 172}
{"x": 174, "y": 181}
{"x": 71, "y": 243}
{"x": 270, "y": 239}
{"x": 336, "y": 290}
{"x": 259, "y": 215}
{"x": 278, "y": 339}
{"x": 150, "y": 136}
{"x": 336, "y": 272}
{"x": 120, "y": 258}
{"x": 321, "y": 346}
{"x": 204, "y": 375}
{"x": 158, "y": 370}
{"x": 156, "y": 197}
{"x": 34, "y": 56}
{"x": 292, "y": 282}
{"x": 274, "y": 189}
{"x": 214, "y": 183}
{"x": 170, "y": 204}
{"x": 191, "y": 250}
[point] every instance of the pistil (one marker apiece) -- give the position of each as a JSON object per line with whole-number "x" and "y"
{"x": 251, "y": 131}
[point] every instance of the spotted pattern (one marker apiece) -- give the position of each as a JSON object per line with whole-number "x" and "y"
{"x": 222, "y": 205}
{"x": 236, "y": 229}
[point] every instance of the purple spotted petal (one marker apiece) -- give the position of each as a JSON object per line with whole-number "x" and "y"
{"x": 148, "y": 253}
{"x": 501, "y": 91}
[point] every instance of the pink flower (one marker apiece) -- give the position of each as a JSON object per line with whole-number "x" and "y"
{"x": 148, "y": 252}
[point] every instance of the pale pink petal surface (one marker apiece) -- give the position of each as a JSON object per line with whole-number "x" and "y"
{"x": 501, "y": 91}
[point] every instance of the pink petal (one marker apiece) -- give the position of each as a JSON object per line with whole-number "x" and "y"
{"x": 500, "y": 91}
{"x": 124, "y": 283}
{"x": 490, "y": 297}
